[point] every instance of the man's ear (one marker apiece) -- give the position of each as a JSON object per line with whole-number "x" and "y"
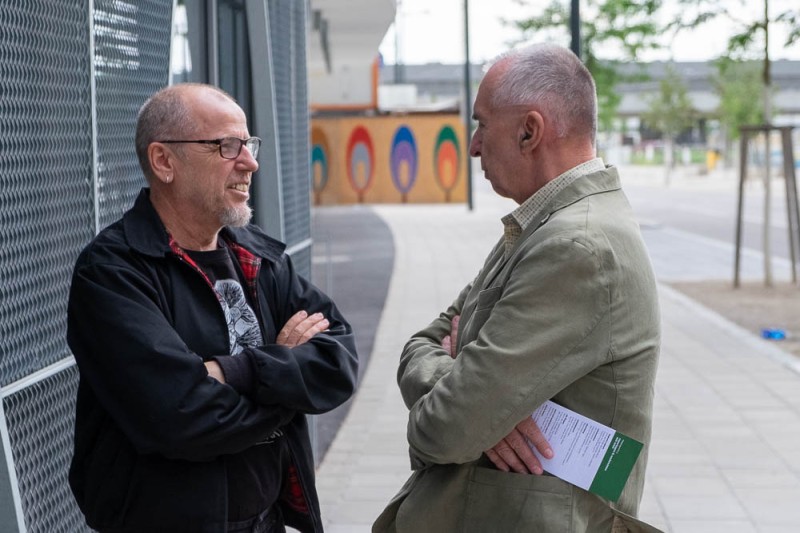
{"x": 162, "y": 161}
{"x": 532, "y": 130}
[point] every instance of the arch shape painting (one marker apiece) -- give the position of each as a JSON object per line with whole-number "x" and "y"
{"x": 404, "y": 161}
{"x": 320, "y": 162}
{"x": 447, "y": 160}
{"x": 360, "y": 161}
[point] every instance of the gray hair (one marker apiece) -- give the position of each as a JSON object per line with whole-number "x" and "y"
{"x": 167, "y": 115}
{"x": 553, "y": 78}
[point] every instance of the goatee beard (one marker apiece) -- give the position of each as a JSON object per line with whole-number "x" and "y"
{"x": 237, "y": 217}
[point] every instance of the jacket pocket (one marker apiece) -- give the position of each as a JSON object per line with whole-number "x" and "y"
{"x": 484, "y": 304}
{"x": 504, "y": 501}
{"x": 488, "y": 297}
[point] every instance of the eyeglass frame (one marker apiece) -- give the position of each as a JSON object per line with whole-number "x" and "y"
{"x": 218, "y": 142}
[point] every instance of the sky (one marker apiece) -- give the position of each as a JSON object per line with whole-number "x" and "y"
{"x": 433, "y": 31}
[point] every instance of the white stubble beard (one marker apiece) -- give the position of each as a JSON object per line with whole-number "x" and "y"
{"x": 237, "y": 217}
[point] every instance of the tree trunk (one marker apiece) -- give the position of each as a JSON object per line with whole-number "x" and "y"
{"x": 668, "y": 160}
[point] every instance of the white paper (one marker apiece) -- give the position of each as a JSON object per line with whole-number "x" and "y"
{"x": 579, "y": 443}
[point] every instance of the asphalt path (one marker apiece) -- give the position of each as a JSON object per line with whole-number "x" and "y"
{"x": 710, "y": 211}
{"x": 352, "y": 261}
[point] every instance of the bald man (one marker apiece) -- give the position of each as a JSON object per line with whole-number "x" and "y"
{"x": 200, "y": 349}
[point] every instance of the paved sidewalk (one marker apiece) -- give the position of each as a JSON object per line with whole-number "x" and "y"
{"x": 727, "y": 412}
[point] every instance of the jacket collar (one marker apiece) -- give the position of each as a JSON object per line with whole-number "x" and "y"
{"x": 605, "y": 180}
{"x": 590, "y": 184}
{"x": 146, "y": 234}
{"x": 594, "y": 183}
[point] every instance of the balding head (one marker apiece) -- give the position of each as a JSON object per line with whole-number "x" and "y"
{"x": 168, "y": 114}
{"x": 554, "y": 79}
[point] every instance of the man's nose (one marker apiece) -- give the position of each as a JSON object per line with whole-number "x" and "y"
{"x": 475, "y": 145}
{"x": 246, "y": 161}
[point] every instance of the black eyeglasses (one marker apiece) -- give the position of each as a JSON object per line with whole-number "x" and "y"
{"x": 229, "y": 147}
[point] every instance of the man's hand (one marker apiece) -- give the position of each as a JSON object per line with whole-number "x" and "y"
{"x": 215, "y": 371}
{"x": 450, "y": 342}
{"x": 300, "y": 328}
{"x": 514, "y": 452}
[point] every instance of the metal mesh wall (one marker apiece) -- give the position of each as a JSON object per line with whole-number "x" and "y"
{"x": 46, "y": 209}
{"x": 40, "y": 420}
{"x": 288, "y": 41}
{"x": 131, "y": 62}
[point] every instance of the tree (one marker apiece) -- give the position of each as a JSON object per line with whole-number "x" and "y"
{"x": 738, "y": 84}
{"x": 670, "y": 112}
{"x": 751, "y": 37}
{"x": 624, "y": 27}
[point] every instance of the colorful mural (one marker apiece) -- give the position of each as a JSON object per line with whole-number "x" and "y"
{"x": 388, "y": 159}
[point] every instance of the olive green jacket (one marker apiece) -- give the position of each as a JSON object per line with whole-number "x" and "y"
{"x": 570, "y": 314}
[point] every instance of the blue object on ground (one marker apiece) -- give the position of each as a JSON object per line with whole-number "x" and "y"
{"x": 775, "y": 334}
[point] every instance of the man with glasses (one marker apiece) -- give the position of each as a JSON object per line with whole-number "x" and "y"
{"x": 200, "y": 349}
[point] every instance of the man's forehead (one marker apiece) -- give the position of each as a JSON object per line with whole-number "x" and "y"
{"x": 207, "y": 98}
{"x": 217, "y": 110}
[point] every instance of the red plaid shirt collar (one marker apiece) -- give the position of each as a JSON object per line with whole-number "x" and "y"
{"x": 249, "y": 262}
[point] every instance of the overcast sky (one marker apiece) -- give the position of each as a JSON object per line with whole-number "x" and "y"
{"x": 433, "y": 31}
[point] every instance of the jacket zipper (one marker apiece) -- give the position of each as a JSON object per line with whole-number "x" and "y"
{"x": 300, "y": 478}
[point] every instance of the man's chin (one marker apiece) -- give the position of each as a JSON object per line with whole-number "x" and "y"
{"x": 497, "y": 189}
{"x": 237, "y": 217}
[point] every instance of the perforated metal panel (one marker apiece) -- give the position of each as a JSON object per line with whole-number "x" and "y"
{"x": 131, "y": 63}
{"x": 288, "y": 38}
{"x": 46, "y": 207}
{"x": 47, "y": 213}
{"x": 301, "y": 258}
{"x": 40, "y": 420}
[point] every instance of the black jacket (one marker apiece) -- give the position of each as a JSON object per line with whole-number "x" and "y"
{"x": 152, "y": 429}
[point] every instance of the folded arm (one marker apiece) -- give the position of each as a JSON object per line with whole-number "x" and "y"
{"x": 143, "y": 374}
{"x": 530, "y": 347}
{"x": 311, "y": 366}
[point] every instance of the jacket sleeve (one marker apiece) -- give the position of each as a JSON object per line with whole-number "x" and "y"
{"x": 423, "y": 361}
{"x": 316, "y": 376}
{"x": 153, "y": 387}
{"x": 533, "y": 343}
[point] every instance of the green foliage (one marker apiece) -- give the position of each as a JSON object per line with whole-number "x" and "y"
{"x": 626, "y": 27}
{"x": 670, "y": 110}
{"x": 739, "y": 85}
{"x": 748, "y": 40}
{"x": 741, "y": 81}
{"x": 792, "y": 20}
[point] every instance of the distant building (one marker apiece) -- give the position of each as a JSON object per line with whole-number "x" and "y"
{"x": 436, "y": 82}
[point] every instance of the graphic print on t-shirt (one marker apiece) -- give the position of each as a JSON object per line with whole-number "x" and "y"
{"x": 243, "y": 329}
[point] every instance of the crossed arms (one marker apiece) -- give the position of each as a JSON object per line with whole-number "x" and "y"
{"x": 513, "y": 452}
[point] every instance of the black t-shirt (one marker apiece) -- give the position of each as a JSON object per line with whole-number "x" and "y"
{"x": 256, "y": 475}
